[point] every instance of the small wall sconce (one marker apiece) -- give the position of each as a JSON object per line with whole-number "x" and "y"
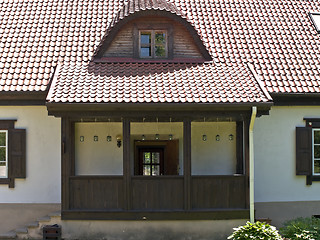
{"x": 231, "y": 137}
{"x": 109, "y": 138}
{"x": 143, "y": 137}
{"x": 170, "y": 136}
{"x": 95, "y": 138}
{"x": 119, "y": 138}
{"x": 81, "y": 138}
{"x": 157, "y": 136}
{"x": 204, "y": 137}
{"x": 218, "y": 137}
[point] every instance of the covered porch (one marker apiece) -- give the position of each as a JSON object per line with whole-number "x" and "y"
{"x": 111, "y": 170}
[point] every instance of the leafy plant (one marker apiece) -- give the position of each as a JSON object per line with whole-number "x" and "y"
{"x": 257, "y": 230}
{"x": 302, "y": 228}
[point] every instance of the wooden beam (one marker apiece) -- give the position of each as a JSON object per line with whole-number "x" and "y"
{"x": 157, "y": 215}
{"x": 126, "y": 164}
{"x": 65, "y": 162}
{"x": 187, "y": 163}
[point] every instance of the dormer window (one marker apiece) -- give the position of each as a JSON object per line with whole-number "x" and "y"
{"x": 153, "y": 44}
{"x": 153, "y": 41}
{"x": 315, "y": 17}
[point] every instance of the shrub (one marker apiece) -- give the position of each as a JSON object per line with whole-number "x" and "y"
{"x": 257, "y": 230}
{"x": 302, "y": 228}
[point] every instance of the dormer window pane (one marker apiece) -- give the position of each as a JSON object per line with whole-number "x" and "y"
{"x": 153, "y": 44}
{"x": 145, "y": 38}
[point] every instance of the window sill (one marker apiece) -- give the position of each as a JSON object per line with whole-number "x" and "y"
{"x": 8, "y": 181}
{"x": 311, "y": 179}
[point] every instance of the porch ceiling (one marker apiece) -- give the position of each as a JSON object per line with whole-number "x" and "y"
{"x": 155, "y": 83}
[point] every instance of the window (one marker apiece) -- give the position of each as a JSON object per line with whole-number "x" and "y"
{"x": 154, "y": 158}
{"x": 315, "y": 18}
{"x": 151, "y": 161}
{"x": 12, "y": 152}
{"x": 153, "y": 41}
{"x": 308, "y": 150}
{"x": 316, "y": 152}
{"x": 3, "y": 154}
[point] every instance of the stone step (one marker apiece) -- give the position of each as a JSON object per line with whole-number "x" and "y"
{"x": 8, "y": 235}
{"x": 21, "y": 230}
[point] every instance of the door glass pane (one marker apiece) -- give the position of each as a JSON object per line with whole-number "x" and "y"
{"x": 155, "y": 157}
{"x": 145, "y": 38}
{"x": 3, "y": 138}
{"x": 146, "y": 170}
{"x": 146, "y": 157}
{"x": 155, "y": 170}
{"x": 317, "y": 137}
{"x": 145, "y": 52}
{"x": 317, "y": 167}
{"x": 317, "y": 151}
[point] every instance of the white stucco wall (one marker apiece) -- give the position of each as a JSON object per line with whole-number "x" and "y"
{"x": 98, "y": 157}
{"x": 213, "y": 157}
{"x": 274, "y": 146}
{"x": 42, "y": 184}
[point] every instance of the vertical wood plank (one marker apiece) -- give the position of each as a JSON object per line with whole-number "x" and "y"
{"x": 65, "y": 162}
{"x": 126, "y": 164}
{"x": 187, "y": 163}
{"x": 246, "y": 156}
{"x": 239, "y": 138}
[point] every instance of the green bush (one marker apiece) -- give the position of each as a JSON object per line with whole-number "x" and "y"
{"x": 302, "y": 228}
{"x": 257, "y": 230}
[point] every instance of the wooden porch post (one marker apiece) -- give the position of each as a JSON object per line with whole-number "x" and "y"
{"x": 126, "y": 164}
{"x": 187, "y": 163}
{"x": 66, "y": 161}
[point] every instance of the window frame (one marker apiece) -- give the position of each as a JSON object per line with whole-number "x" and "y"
{"x": 16, "y": 152}
{"x": 151, "y": 149}
{"x": 153, "y": 43}
{"x": 138, "y": 28}
{"x": 6, "y": 155}
{"x": 313, "y": 157}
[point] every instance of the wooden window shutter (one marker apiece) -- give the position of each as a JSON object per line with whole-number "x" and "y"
{"x": 303, "y": 151}
{"x": 17, "y": 153}
{"x": 171, "y": 160}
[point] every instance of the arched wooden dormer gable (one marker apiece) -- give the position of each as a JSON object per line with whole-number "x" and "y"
{"x": 122, "y": 38}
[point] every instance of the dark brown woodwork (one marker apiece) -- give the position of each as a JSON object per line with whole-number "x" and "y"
{"x": 66, "y": 161}
{"x": 216, "y": 214}
{"x": 171, "y": 160}
{"x": 303, "y": 151}
{"x": 246, "y": 125}
{"x": 218, "y": 192}
{"x": 126, "y": 164}
{"x": 17, "y": 153}
{"x": 7, "y": 124}
{"x": 96, "y": 192}
{"x": 157, "y": 193}
{"x": 187, "y": 163}
{"x": 239, "y": 147}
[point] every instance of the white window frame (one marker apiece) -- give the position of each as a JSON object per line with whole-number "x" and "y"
{"x": 153, "y": 43}
{"x": 313, "y": 158}
{"x": 6, "y": 147}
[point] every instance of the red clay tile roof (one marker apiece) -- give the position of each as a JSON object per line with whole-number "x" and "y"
{"x": 276, "y": 36}
{"x": 155, "y": 82}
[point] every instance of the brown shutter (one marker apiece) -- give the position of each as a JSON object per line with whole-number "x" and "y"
{"x": 171, "y": 160}
{"x": 17, "y": 153}
{"x": 303, "y": 151}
